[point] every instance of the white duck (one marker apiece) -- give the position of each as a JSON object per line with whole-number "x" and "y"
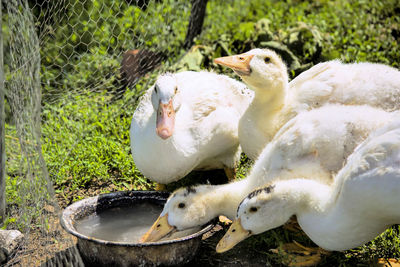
{"x": 312, "y": 145}
{"x": 276, "y": 100}
{"x": 188, "y": 121}
{"x": 361, "y": 204}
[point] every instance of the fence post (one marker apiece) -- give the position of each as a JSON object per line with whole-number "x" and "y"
{"x": 195, "y": 21}
{"x": 2, "y": 130}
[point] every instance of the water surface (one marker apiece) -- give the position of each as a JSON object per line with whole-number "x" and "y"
{"x": 124, "y": 224}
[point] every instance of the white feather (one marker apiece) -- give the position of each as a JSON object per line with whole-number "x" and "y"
{"x": 358, "y": 206}
{"x": 276, "y": 100}
{"x": 313, "y": 145}
{"x": 206, "y": 125}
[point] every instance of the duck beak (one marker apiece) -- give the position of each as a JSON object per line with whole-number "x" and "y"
{"x": 165, "y": 120}
{"x": 238, "y": 63}
{"x": 235, "y": 234}
{"x": 158, "y": 230}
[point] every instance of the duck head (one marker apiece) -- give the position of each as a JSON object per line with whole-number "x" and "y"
{"x": 166, "y": 101}
{"x": 184, "y": 209}
{"x": 260, "y": 211}
{"x": 259, "y": 68}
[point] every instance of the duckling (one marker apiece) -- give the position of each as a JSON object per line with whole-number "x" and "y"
{"x": 188, "y": 121}
{"x": 312, "y": 145}
{"x": 276, "y": 100}
{"x": 360, "y": 204}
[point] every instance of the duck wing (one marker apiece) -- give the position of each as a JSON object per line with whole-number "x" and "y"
{"x": 313, "y": 87}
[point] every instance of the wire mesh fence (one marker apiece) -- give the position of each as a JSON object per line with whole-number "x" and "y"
{"x": 58, "y": 55}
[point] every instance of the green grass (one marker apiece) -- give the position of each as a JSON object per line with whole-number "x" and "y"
{"x": 351, "y": 30}
{"x": 85, "y": 132}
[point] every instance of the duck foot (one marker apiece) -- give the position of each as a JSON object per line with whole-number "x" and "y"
{"x": 293, "y": 226}
{"x": 295, "y": 254}
{"x": 161, "y": 187}
{"x": 387, "y": 262}
{"x": 224, "y": 220}
{"x": 230, "y": 173}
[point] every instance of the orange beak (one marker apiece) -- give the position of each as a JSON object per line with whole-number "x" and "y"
{"x": 238, "y": 63}
{"x": 158, "y": 230}
{"x": 234, "y": 235}
{"x": 165, "y": 120}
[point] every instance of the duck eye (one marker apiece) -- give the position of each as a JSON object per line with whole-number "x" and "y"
{"x": 241, "y": 58}
{"x": 181, "y": 205}
{"x": 267, "y": 59}
{"x": 253, "y": 209}
{"x": 176, "y": 90}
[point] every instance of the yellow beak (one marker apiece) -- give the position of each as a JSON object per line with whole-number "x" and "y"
{"x": 158, "y": 230}
{"x": 238, "y": 63}
{"x": 234, "y": 235}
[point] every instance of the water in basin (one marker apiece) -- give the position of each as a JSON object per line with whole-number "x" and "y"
{"x": 124, "y": 224}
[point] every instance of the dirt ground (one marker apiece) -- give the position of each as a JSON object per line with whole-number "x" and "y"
{"x": 240, "y": 255}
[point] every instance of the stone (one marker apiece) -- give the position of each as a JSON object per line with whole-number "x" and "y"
{"x": 9, "y": 241}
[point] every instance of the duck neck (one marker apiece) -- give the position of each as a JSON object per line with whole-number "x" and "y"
{"x": 305, "y": 195}
{"x": 267, "y": 105}
{"x": 224, "y": 199}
